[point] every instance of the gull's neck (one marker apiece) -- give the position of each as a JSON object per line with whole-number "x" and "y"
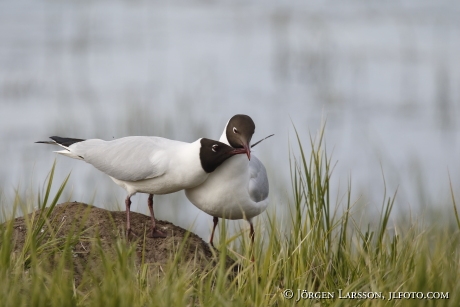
{"x": 223, "y": 137}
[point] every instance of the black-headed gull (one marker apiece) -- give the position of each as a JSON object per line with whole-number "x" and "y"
{"x": 151, "y": 165}
{"x": 237, "y": 189}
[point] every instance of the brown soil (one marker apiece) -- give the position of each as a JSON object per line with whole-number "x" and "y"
{"x": 109, "y": 226}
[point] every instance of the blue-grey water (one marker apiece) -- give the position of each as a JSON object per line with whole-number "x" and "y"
{"x": 386, "y": 76}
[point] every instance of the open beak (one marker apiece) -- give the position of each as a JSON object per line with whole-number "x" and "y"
{"x": 246, "y": 149}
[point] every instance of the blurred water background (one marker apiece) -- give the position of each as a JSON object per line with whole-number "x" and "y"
{"x": 385, "y": 74}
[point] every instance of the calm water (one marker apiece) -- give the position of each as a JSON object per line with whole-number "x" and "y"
{"x": 386, "y": 77}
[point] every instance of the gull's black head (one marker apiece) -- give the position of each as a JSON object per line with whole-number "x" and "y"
{"x": 240, "y": 129}
{"x": 214, "y": 153}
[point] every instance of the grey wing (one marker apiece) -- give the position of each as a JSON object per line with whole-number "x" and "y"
{"x": 258, "y": 181}
{"x": 128, "y": 159}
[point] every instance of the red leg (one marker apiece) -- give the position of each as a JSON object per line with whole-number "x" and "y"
{"x": 251, "y": 235}
{"x": 215, "y": 221}
{"x": 128, "y": 220}
{"x": 154, "y": 233}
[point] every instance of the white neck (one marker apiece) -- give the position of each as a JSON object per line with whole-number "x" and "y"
{"x": 223, "y": 137}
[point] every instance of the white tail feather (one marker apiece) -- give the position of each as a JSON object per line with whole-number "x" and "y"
{"x": 69, "y": 154}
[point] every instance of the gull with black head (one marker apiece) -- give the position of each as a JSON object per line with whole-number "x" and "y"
{"x": 152, "y": 165}
{"x": 237, "y": 189}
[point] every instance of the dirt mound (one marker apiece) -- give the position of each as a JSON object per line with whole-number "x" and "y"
{"x": 108, "y": 226}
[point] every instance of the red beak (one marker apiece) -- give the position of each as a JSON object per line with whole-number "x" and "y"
{"x": 246, "y": 149}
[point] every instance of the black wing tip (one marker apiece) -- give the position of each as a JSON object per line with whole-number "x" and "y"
{"x": 65, "y": 141}
{"x": 61, "y": 141}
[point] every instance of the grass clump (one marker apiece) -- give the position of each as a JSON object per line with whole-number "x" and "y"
{"x": 323, "y": 253}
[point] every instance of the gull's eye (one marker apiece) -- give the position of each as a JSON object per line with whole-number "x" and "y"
{"x": 235, "y": 130}
{"x": 214, "y": 148}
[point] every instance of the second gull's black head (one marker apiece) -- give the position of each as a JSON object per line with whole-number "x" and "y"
{"x": 240, "y": 129}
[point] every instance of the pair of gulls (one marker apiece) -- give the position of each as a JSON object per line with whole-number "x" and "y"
{"x": 215, "y": 176}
